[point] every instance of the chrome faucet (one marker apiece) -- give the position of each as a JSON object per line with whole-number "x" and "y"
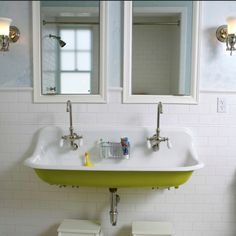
{"x": 69, "y": 109}
{"x": 72, "y": 136}
{"x": 154, "y": 141}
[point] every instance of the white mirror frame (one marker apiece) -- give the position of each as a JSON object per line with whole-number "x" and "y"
{"x": 96, "y": 98}
{"x": 127, "y": 62}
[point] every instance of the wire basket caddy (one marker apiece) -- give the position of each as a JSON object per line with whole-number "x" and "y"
{"x": 112, "y": 150}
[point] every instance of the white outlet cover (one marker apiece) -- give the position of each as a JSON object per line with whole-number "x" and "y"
{"x": 221, "y": 105}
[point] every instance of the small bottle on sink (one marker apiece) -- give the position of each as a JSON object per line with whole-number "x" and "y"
{"x": 87, "y": 162}
{"x": 125, "y": 147}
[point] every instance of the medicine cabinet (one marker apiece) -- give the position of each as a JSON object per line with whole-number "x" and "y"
{"x": 70, "y": 51}
{"x": 161, "y": 51}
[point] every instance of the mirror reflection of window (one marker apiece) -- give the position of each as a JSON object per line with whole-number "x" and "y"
{"x": 75, "y": 61}
{"x": 70, "y": 32}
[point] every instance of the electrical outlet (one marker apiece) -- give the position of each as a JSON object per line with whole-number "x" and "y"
{"x": 221, "y": 105}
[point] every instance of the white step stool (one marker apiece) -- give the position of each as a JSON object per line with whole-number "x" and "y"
{"x": 79, "y": 228}
{"x": 151, "y": 228}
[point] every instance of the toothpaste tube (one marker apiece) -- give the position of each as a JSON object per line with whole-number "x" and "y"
{"x": 125, "y": 146}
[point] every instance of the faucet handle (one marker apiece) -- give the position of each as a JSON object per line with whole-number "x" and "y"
{"x": 149, "y": 144}
{"x": 169, "y": 144}
{"x": 81, "y": 142}
{"x": 62, "y": 142}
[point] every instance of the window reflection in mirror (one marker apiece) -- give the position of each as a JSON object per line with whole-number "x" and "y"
{"x": 70, "y": 47}
{"x": 161, "y": 52}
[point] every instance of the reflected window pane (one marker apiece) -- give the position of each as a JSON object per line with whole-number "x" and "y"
{"x": 75, "y": 83}
{"x": 67, "y": 61}
{"x": 84, "y": 39}
{"x": 68, "y": 36}
{"x": 84, "y": 61}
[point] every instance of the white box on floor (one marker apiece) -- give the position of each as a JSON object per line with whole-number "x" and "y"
{"x": 79, "y": 228}
{"x": 151, "y": 228}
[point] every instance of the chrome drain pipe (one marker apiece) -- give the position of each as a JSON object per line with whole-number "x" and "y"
{"x": 115, "y": 198}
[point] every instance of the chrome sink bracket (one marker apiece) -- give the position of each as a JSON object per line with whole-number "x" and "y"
{"x": 115, "y": 198}
{"x": 72, "y": 137}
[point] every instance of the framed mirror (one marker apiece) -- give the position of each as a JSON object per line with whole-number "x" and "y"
{"x": 161, "y": 45}
{"x": 70, "y": 51}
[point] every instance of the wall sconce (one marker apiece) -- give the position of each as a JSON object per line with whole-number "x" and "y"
{"x": 227, "y": 34}
{"x": 7, "y": 34}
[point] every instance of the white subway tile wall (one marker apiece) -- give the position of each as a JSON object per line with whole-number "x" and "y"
{"x": 204, "y": 206}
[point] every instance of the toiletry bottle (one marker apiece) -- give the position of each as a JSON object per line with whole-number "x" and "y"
{"x": 87, "y": 162}
{"x": 125, "y": 147}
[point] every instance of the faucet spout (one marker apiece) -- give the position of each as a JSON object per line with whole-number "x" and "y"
{"x": 68, "y": 106}
{"x": 69, "y": 109}
{"x": 159, "y": 111}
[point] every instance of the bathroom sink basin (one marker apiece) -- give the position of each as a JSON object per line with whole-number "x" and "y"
{"x": 165, "y": 168}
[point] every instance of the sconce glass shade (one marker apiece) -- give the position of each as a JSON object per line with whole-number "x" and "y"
{"x": 5, "y": 26}
{"x": 231, "y": 25}
{"x": 7, "y": 33}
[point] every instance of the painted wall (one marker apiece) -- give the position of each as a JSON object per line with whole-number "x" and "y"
{"x": 16, "y": 65}
{"x": 205, "y": 206}
{"x": 218, "y": 68}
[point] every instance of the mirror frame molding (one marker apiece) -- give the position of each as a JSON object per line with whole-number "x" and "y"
{"x": 37, "y": 66}
{"x": 127, "y": 62}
